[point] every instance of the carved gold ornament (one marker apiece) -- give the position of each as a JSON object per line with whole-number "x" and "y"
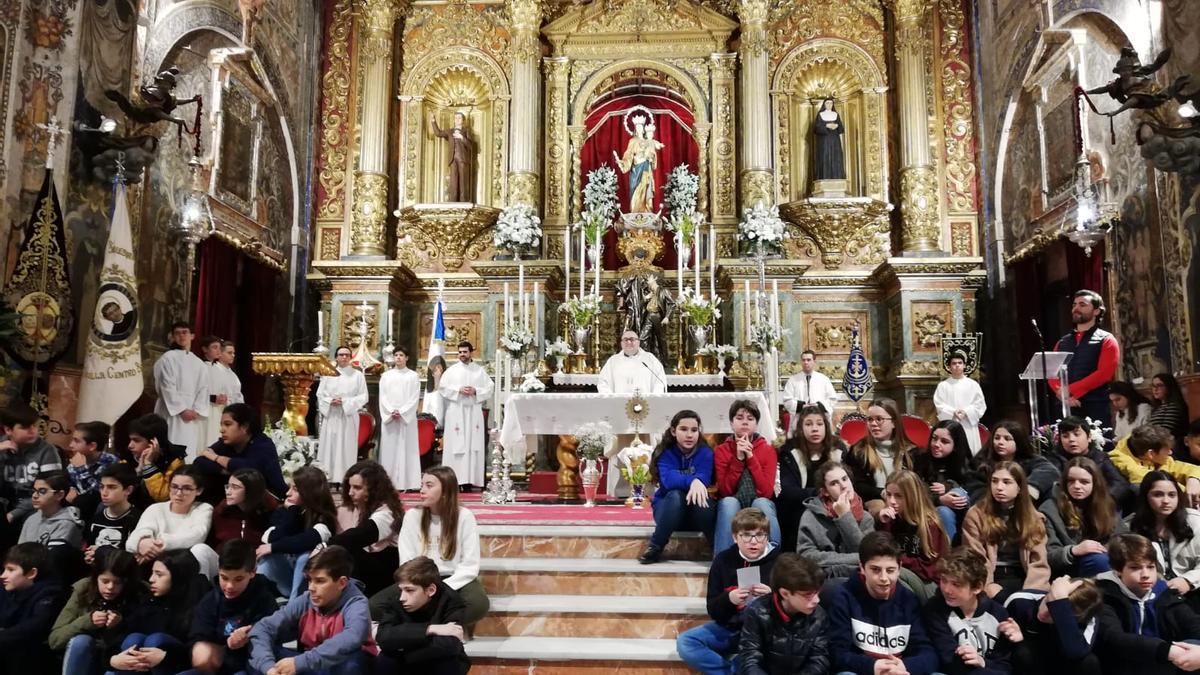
{"x": 919, "y": 208}
{"x": 855, "y": 228}
{"x": 959, "y": 111}
{"x": 640, "y": 248}
{"x": 441, "y": 237}
{"x": 637, "y": 409}
{"x": 370, "y": 213}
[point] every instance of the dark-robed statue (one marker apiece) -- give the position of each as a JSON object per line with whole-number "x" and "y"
{"x": 830, "y": 160}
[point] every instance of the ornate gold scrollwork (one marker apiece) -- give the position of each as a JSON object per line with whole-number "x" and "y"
{"x": 758, "y": 185}
{"x": 335, "y": 126}
{"x": 444, "y": 235}
{"x": 524, "y": 188}
{"x": 370, "y": 213}
{"x": 856, "y": 228}
{"x": 919, "y": 208}
{"x": 959, "y": 110}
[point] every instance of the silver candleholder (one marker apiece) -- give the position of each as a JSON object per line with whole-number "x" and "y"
{"x": 500, "y": 486}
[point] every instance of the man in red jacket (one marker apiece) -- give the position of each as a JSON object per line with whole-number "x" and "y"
{"x": 1094, "y": 364}
{"x": 745, "y": 474}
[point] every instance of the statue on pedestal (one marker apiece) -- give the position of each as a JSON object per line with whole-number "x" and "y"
{"x": 460, "y": 174}
{"x": 638, "y": 163}
{"x": 647, "y": 306}
{"x": 829, "y": 165}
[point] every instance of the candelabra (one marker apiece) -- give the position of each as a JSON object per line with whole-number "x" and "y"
{"x": 500, "y": 485}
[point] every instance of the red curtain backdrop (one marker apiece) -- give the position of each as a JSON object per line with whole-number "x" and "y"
{"x": 606, "y": 135}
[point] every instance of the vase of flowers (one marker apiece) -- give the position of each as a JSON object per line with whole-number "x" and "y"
{"x": 294, "y": 451}
{"x": 699, "y": 310}
{"x": 531, "y": 384}
{"x": 762, "y": 231}
{"x": 636, "y": 470}
{"x": 518, "y": 229}
{"x": 765, "y": 336}
{"x": 516, "y": 340}
{"x": 592, "y": 438}
{"x": 558, "y": 351}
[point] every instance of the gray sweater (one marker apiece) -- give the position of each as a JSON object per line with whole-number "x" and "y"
{"x": 292, "y": 620}
{"x": 62, "y": 528}
{"x": 829, "y": 542}
{"x": 1060, "y": 538}
{"x": 19, "y": 469}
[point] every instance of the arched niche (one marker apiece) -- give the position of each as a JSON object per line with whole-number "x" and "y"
{"x": 458, "y": 79}
{"x": 821, "y": 68}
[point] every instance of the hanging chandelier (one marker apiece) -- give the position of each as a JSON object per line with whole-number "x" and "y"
{"x": 1094, "y": 216}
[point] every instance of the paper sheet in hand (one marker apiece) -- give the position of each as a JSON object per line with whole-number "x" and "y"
{"x": 748, "y": 577}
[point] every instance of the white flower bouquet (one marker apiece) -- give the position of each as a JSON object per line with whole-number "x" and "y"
{"x": 558, "y": 348}
{"x": 600, "y": 193}
{"x": 518, "y": 228}
{"x": 592, "y": 438}
{"x": 719, "y": 351}
{"x": 766, "y": 336}
{"x": 531, "y": 384}
{"x": 581, "y": 310}
{"x": 699, "y": 310}
{"x": 762, "y": 225}
{"x": 294, "y": 451}
{"x": 516, "y": 340}
{"x": 635, "y": 461}
{"x": 679, "y": 198}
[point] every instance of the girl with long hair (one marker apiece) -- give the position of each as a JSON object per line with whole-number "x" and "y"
{"x": 682, "y": 466}
{"x": 92, "y": 624}
{"x": 883, "y": 450}
{"x": 1074, "y": 439}
{"x": 917, "y": 528}
{"x": 306, "y": 520}
{"x": 1080, "y": 520}
{"x": 180, "y": 524}
{"x": 812, "y": 444}
{"x": 245, "y": 513}
{"x": 1010, "y": 442}
{"x": 445, "y": 532}
{"x": 1130, "y": 409}
{"x": 1170, "y": 405}
{"x": 158, "y": 625}
{"x": 945, "y": 466}
{"x": 243, "y": 445}
{"x": 1006, "y": 529}
{"x": 1174, "y": 530}
{"x": 368, "y": 524}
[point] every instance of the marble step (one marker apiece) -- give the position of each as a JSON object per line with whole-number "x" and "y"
{"x": 571, "y": 541}
{"x": 569, "y": 655}
{"x": 592, "y": 616}
{"x": 593, "y": 576}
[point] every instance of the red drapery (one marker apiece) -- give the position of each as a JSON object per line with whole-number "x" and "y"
{"x": 606, "y": 134}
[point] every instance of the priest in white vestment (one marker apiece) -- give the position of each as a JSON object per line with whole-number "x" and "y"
{"x": 808, "y": 387}
{"x": 464, "y": 388}
{"x": 399, "y": 391}
{"x": 340, "y": 399}
{"x": 960, "y": 398}
{"x": 630, "y": 370}
{"x": 224, "y": 387}
{"x": 181, "y": 381}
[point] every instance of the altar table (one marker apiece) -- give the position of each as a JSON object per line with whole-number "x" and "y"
{"x": 673, "y": 381}
{"x": 561, "y": 414}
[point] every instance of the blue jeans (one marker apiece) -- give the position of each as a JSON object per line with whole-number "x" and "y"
{"x": 707, "y": 648}
{"x": 286, "y": 571}
{"x": 82, "y": 655}
{"x": 672, "y": 513}
{"x": 727, "y": 508}
{"x": 949, "y": 516}
{"x": 1092, "y": 564}
{"x": 152, "y": 641}
{"x": 358, "y": 664}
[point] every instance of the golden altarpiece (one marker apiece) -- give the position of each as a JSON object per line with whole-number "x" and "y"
{"x": 437, "y": 114}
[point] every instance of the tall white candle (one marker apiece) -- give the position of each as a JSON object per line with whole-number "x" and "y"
{"x": 696, "y": 258}
{"x": 712, "y": 262}
{"x": 567, "y": 262}
{"x": 391, "y": 323}
{"x": 679, "y": 261}
{"x": 320, "y": 326}
{"x": 522, "y": 300}
{"x": 599, "y": 263}
{"x": 507, "y": 309}
{"x": 537, "y": 316}
{"x": 496, "y": 390}
{"x": 775, "y": 301}
{"x": 582, "y": 263}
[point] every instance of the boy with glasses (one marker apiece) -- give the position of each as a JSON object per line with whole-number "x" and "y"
{"x": 710, "y": 647}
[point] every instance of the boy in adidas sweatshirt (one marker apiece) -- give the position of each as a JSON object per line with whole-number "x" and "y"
{"x": 331, "y": 624}
{"x": 872, "y": 618}
{"x": 970, "y": 632}
{"x": 1149, "y": 621}
{"x": 708, "y": 648}
{"x": 23, "y": 455}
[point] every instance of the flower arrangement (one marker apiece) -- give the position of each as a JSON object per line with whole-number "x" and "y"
{"x": 679, "y": 198}
{"x": 761, "y": 225}
{"x": 600, "y": 204}
{"x": 700, "y": 311}
{"x": 516, "y": 340}
{"x": 1045, "y": 437}
{"x": 766, "y": 336}
{"x": 719, "y": 351}
{"x": 592, "y": 439}
{"x": 559, "y": 348}
{"x": 531, "y": 384}
{"x": 294, "y": 452}
{"x": 636, "y": 461}
{"x": 518, "y": 228}
{"x": 581, "y": 310}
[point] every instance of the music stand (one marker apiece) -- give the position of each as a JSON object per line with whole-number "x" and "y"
{"x": 1043, "y": 366}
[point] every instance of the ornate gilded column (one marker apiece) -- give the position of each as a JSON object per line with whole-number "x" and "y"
{"x": 577, "y": 132}
{"x": 757, "y": 181}
{"x": 918, "y": 177}
{"x": 701, "y": 135}
{"x": 525, "y": 117}
{"x": 375, "y": 20}
{"x": 723, "y": 180}
{"x": 558, "y": 181}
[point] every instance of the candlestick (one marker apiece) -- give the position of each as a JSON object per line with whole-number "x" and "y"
{"x": 696, "y": 259}
{"x": 496, "y": 390}
{"x": 599, "y": 234}
{"x": 521, "y": 298}
{"x": 712, "y": 261}
{"x": 507, "y": 309}
{"x": 679, "y": 261}
{"x": 582, "y": 263}
{"x": 362, "y": 321}
{"x": 567, "y": 262}
{"x": 775, "y": 301}
{"x": 537, "y": 316}
{"x": 391, "y": 323}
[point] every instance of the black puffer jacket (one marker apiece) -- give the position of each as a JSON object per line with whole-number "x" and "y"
{"x": 773, "y": 642}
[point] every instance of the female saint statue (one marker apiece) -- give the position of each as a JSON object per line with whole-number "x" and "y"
{"x": 638, "y": 162}
{"x": 830, "y": 162}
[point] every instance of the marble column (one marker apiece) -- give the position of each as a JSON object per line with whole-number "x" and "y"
{"x": 525, "y": 116}
{"x": 757, "y": 180}
{"x": 920, "y": 228}
{"x": 374, "y": 23}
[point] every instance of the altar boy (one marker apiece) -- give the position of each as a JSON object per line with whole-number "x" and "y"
{"x": 464, "y": 388}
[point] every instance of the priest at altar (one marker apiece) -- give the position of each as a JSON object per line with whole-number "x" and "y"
{"x": 960, "y": 398}
{"x": 464, "y": 387}
{"x": 340, "y": 399}
{"x": 628, "y": 371}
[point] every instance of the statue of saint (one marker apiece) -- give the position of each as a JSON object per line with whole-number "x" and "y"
{"x": 830, "y": 161}
{"x": 460, "y": 174}
{"x": 638, "y": 163}
{"x": 647, "y": 306}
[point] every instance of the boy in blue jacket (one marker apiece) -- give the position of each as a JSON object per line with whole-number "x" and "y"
{"x": 331, "y": 625}
{"x": 970, "y": 632}
{"x": 708, "y": 648}
{"x": 874, "y": 623}
{"x": 29, "y": 603}
{"x": 220, "y": 630}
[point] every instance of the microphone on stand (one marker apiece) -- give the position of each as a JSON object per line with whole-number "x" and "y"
{"x": 660, "y": 380}
{"x": 1042, "y": 350}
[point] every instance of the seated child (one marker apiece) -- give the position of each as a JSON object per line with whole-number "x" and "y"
{"x": 115, "y": 517}
{"x": 970, "y": 632}
{"x": 682, "y": 466}
{"x": 1148, "y": 448}
{"x": 87, "y": 456}
{"x": 1066, "y": 628}
{"x": 833, "y": 524}
{"x": 158, "y": 625}
{"x": 918, "y": 530}
{"x": 1075, "y": 440}
{"x": 220, "y": 631}
{"x": 784, "y": 632}
{"x": 24, "y": 454}
{"x": 53, "y": 523}
{"x": 156, "y": 459}
{"x": 745, "y": 469}
{"x": 29, "y": 604}
{"x": 92, "y": 624}
{"x": 306, "y": 520}
{"x": 179, "y": 524}
{"x": 422, "y": 629}
{"x": 873, "y": 618}
{"x": 709, "y": 648}
{"x": 1006, "y": 529}
{"x": 1079, "y": 521}
{"x": 330, "y": 624}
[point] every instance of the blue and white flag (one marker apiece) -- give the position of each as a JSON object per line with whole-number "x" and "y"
{"x": 438, "y": 337}
{"x": 857, "y": 381}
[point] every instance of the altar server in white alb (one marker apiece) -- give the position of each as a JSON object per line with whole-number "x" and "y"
{"x": 340, "y": 398}
{"x": 224, "y": 387}
{"x": 808, "y": 387}
{"x": 181, "y": 381}
{"x": 464, "y": 388}
{"x": 960, "y": 398}
{"x": 630, "y": 370}
{"x": 399, "y": 392}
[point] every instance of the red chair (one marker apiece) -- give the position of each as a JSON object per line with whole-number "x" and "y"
{"x": 366, "y": 431}
{"x": 426, "y": 434}
{"x": 852, "y": 431}
{"x": 984, "y": 435}
{"x": 917, "y": 430}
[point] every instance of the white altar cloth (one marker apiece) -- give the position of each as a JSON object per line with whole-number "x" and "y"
{"x": 537, "y": 414}
{"x": 590, "y": 379}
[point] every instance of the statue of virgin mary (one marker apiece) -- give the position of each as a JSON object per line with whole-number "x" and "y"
{"x": 638, "y": 163}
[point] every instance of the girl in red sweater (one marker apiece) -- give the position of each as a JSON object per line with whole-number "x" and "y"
{"x": 246, "y": 511}
{"x": 912, "y": 521}
{"x": 745, "y": 473}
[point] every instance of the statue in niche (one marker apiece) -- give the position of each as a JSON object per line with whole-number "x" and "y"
{"x": 830, "y": 159}
{"x": 638, "y": 163}
{"x": 646, "y": 305}
{"x": 460, "y": 175}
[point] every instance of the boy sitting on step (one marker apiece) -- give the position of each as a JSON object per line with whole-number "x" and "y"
{"x": 708, "y": 648}
{"x": 784, "y": 633}
{"x": 422, "y": 629}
